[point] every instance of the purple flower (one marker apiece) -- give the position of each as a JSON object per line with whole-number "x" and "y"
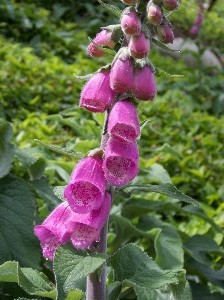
{"x": 194, "y": 29}
{"x": 154, "y": 13}
{"x": 165, "y": 33}
{"x": 123, "y": 124}
{"x": 121, "y": 74}
{"x": 139, "y": 46}
{"x": 86, "y": 227}
{"x": 53, "y": 231}
{"x": 103, "y": 38}
{"x": 97, "y": 95}
{"x": 87, "y": 185}
{"x": 144, "y": 86}
{"x": 130, "y": 22}
{"x": 121, "y": 162}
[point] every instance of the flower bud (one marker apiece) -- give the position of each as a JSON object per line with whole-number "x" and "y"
{"x": 86, "y": 228}
{"x": 53, "y": 232}
{"x": 123, "y": 124}
{"x": 130, "y": 22}
{"x": 154, "y": 13}
{"x": 121, "y": 74}
{"x": 129, "y": 2}
{"x": 97, "y": 95}
{"x": 87, "y": 185}
{"x": 139, "y": 46}
{"x": 121, "y": 162}
{"x": 144, "y": 86}
{"x": 170, "y": 4}
{"x": 165, "y": 33}
{"x": 103, "y": 38}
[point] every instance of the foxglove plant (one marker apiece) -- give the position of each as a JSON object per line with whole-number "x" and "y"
{"x": 115, "y": 89}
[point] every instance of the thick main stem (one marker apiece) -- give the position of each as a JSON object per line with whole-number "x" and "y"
{"x": 96, "y": 281}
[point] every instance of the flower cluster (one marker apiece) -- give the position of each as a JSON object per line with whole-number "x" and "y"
{"x": 197, "y": 23}
{"x": 117, "y": 89}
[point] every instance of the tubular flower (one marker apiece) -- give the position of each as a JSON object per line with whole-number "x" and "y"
{"x": 121, "y": 74}
{"x": 121, "y": 162}
{"x": 86, "y": 227}
{"x": 165, "y": 33}
{"x": 154, "y": 13}
{"x": 144, "y": 86}
{"x": 53, "y": 231}
{"x": 97, "y": 95}
{"x": 86, "y": 188}
{"x": 123, "y": 124}
{"x": 130, "y": 22}
{"x": 103, "y": 38}
{"x": 139, "y": 46}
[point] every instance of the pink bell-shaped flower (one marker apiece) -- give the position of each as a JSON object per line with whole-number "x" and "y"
{"x": 144, "y": 86}
{"x": 97, "y": 94}
{"x": 123, "y": 124}
{"x": 154, "y": 13}
{"x": 139, "y": 46}
{"x": 87, "y": 185}
{"x": 121, "y": 74}
{"x": 165, "y": 33}
{"x": 103, "y": 38}
{"x": 121, "y": 162}
{"x": 86, "y": 228}
{"x": 53, "y": 231}
{"x": 130, "y": 22}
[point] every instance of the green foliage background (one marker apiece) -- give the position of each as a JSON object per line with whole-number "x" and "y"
{"x": 41, "y": 46}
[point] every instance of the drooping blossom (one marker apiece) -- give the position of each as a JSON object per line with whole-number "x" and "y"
{"x": 123, "y": 124}
{"x": 121, "y": 162}
{"x": 139, "y": 46}
{"x": 97, "y": 94}
{"x": 154, "y": 13}
{"x": 165, "y": 33}
{"x": 53, "y": 232}
{"x": 86, "y": 227}
{"x": 103, "y": 38}
{"x": 87, "y": 185}
{"x": 144, "y": 86}
{"x": 170, "y": 4}
{"x": 121, "y": 74}
{"x": 130, "y": 22}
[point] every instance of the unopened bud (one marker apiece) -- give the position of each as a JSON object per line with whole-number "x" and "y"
{"x": 154, "y": 13}
{"x": 130, "y": 22}
{"x": 165, "y": 33}
{"x": 170, "y": 4}
{"x": 144, "y": 86}
{"x": 139, "y": 46}
{"x": 129, "y": 2}
{"x": 103, "y": 38}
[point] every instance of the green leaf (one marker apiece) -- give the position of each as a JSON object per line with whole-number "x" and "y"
{"x": 200, "y": 213}
{"x": 85, "y": 77}
{"x": 75, "y": 295}
{"x": 71, "y": 264}
{"x": 161, "y": 73}
{"x": 157, "y": 171}
{"x": 165, "y": 189}
{"x": 104, "y": 49}
{"x": 125, "y": 230}
{"x": 32, "y": 281}
{"x": 64, "y": 151}
{"x": 6, "y": 148}
{"x": 111, "y": 8}
{"x": 134, "y": 268}
{"x": 164, "y": 47}
{"x": 16, "y": 226}
{"x": 36, "y": 170}
{"x": 45, "y": 192}
{"x": 59, "y": 192}
{"x": 26, "y": 157}
{"x": 114, "y": 290}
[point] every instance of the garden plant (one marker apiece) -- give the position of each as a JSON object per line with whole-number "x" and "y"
{"x": 115, "y": 226}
